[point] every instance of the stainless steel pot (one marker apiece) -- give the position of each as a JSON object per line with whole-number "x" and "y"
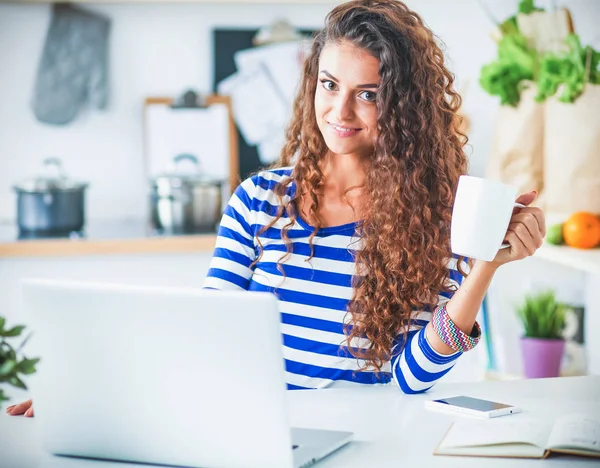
{"x": 50, "y": 205}
{"x": 185, "y": 202}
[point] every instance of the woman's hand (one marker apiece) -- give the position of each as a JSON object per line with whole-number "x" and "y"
{"x": 525, "y": 232}
{"x": 24, "y": 408}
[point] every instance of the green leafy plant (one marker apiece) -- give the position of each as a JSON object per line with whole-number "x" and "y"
{"x": 542, "y": 316}
{"x": 12, "y": 366}
{"x": 517, "y": 63}
{"x": 528, "y": 6}
{"x": 571, "y": 68}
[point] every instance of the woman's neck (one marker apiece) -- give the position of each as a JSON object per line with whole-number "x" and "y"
{"x": 341, "y": 173}
{"x": 341, "y": 198}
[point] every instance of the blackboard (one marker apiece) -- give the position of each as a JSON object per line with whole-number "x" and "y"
{"x": 226, "y": 42}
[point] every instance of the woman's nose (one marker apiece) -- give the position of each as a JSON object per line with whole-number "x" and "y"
{"x": 343, "y": 108}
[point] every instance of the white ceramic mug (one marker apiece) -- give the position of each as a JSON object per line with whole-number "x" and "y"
{"x": 480, "y": 217}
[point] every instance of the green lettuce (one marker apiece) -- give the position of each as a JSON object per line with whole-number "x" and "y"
{"x": 568, "y": 69}
{"x": 515, "y": 64}
{"x": 518, "y": 63}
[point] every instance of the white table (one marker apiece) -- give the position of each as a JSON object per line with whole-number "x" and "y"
{"x": 391, "y": 429}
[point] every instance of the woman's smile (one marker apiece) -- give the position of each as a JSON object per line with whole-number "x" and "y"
{"x": 343, "y": 131}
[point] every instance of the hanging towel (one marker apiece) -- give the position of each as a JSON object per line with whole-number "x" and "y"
{"x": 73, "y": 70}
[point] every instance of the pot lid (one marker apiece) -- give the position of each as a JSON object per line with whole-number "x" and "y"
{"x": 177, "y": 174}
{"x": 180, "y": 179}
{"x": 55, "y": 179}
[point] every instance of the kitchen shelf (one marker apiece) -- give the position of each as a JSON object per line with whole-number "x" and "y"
{"x": 587, "y": 260}
{"x": 105, "y": 238}
{"x": 68, "y": 248}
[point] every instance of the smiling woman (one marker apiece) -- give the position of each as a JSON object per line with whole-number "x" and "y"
{"x": 351, "y": 227}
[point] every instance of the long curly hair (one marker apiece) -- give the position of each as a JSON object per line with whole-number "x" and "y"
{"x": 412, "y": 175}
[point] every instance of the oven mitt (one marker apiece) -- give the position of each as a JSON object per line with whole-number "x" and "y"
{"x": 73, "y": 69}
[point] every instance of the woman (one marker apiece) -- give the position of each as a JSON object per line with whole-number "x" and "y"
{"x": 351, "y": 230}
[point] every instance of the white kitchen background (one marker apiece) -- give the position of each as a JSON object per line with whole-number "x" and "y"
{"x": 161, "y": 49}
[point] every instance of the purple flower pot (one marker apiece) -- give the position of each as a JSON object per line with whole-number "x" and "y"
{"x": 542, "y": 357}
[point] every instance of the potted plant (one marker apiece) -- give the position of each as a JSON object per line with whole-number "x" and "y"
{"x": 543, "y": 344}
{"x": 12, "y": 363}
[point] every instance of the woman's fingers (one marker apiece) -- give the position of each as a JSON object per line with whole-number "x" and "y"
{"x": 21, "y": 408}
{"x": 521, "y": 244}
{"x": 525, "y": 233}
{"x": 29, "y": 413}
{"x": 526, "y": 226}
{"x": 532, "y": 214}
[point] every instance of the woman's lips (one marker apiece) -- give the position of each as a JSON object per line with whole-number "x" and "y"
{"x": 343, "y": 131}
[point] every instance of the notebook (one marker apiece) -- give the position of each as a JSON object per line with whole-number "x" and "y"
{"x": 575, "y": 434}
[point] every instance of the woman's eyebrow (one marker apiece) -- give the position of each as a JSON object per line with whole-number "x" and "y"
{"x": 368, "y": 85}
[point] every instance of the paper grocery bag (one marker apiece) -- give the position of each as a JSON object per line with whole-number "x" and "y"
{"x": 518, "y": 146}
{"x": 572, "y": 154}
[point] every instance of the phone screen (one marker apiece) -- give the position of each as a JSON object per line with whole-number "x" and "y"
{"x": 473, "y": 403}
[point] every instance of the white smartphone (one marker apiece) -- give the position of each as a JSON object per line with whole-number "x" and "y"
{"x": 472, "y": 406}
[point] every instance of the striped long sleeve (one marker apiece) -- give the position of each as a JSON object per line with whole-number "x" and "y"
{"x": 313, "y": 297}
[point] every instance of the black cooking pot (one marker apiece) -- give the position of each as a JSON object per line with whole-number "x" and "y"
{"x": 50, "y": 205}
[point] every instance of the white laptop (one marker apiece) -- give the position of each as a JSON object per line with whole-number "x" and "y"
{"x": 168, "y": 376}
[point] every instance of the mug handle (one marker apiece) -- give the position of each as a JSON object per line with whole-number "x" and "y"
{"x": 517, "y": 205}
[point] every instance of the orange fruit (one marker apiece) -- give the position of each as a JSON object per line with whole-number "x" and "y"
{"x": 582, "y": 230}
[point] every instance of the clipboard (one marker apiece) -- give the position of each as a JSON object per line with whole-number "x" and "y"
{"x": 192, "y": 129}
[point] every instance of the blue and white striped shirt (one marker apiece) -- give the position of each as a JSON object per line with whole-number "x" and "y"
{"x": 314, "y": 296}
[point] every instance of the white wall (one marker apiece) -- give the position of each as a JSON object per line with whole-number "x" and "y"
{"x": 156, "y": 50}
{"x": 160, "y": 49}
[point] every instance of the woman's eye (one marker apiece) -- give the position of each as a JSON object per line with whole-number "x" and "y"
{"x": 368, "y": 96}
{"x": 328, "y": 85}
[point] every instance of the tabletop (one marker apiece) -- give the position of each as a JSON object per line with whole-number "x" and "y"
{"x": 391, "y": 428}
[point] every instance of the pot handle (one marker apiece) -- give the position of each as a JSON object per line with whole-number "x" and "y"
{"x": 57, "y": 164}
{"x": 177, "y": 160}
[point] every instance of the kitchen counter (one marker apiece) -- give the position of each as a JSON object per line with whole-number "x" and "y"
{"x": 104, "y": 238}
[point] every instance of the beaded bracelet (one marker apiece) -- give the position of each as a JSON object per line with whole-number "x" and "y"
{"x": 453, "y": 336}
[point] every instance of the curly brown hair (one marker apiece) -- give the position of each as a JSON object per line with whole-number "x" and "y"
{"x": 411, "y": 179}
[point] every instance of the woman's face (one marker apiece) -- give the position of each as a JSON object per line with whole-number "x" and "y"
{"x": 345, "y": 99}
